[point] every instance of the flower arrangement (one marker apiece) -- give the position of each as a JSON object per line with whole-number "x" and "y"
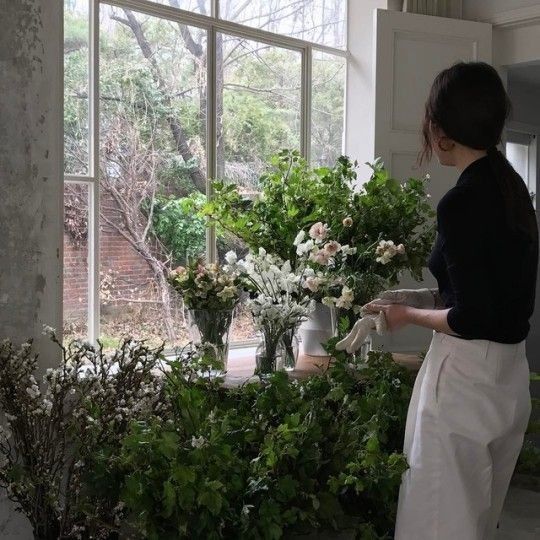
{"x": 327, "y": 274}
{"x": 277, "y": 300}
{"x": 388, "y": 224}
{"x": 210, "y": 293}
{"x": 206, "y": 286}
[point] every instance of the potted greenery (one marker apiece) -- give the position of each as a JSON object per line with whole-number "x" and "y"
{"x": 62, "y": 428}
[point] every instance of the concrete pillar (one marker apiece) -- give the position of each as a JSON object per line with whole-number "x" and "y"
{"x": 31, "y": 201}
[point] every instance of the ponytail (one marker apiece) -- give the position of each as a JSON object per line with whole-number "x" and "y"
{"x": 519, "y": 210}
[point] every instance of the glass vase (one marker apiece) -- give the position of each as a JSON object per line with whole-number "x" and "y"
{"x": 269, "y": 355}
{"x": 209, "y": 329}
{"x": 361, "y": 354}
{"x": 291, "y": 348}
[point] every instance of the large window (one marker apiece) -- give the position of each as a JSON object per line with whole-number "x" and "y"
{"x": 160, "y": 98}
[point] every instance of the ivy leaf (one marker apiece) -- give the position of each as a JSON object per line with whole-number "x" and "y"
{"x": 169, "y": 499}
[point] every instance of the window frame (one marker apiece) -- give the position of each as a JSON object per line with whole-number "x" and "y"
{"x": 527, "y": 135}
{"x": 213, "y": 24}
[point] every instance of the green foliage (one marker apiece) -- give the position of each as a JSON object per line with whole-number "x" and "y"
{"x": 529, "y": 460}
{"x": 265, "y": 459}
{"x": 181, "y": 230}
{"x": 295, "y": 196}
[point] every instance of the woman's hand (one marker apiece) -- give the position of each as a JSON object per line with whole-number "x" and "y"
{"x": 397, "y": 315}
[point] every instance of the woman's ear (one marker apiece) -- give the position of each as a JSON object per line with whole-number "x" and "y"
{"x": 445, "y": 144}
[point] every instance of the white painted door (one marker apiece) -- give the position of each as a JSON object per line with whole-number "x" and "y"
{"x": 410, "y": 50}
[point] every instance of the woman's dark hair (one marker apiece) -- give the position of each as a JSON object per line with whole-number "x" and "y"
{"x": 469, "y": 104}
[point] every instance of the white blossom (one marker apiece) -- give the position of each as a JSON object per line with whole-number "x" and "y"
{"x": 48, "y": 330}
{"x": 299, "y": 238}
{"x": 313, "y": 283}
{"x": 347, "y": 250}
{"x": 385, "y": 251}
{"x": 198, "y": 442}
{"x": 345, "y": 301}
{"x": 306, "y": 247}
{"x": 231, "y": 257}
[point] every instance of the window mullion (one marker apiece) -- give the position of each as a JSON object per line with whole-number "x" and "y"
{"x": 94, "y": 189}
{"x": 211, "y": 134}
{"x": 305, "y": 113}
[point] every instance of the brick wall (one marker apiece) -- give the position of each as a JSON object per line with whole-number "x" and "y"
{"x": 124, "y": 274}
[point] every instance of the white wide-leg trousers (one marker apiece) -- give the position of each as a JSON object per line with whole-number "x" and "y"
{"x": 467, "y": 417}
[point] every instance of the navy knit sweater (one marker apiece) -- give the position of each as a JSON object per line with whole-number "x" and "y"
{"x": 486, "y": 273}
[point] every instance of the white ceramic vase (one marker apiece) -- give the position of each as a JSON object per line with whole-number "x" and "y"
{"x": 317, "y": 330}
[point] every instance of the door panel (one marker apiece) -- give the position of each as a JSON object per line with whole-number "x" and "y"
{"x": 410, "y": 50}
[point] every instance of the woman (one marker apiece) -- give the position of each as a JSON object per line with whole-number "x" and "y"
{"x": 471, "y": 403}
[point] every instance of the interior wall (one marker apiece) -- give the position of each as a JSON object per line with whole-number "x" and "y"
{"x": 30, "y": 167}
{"x": 524, "y": 97}
{"x": 30, "y": 184}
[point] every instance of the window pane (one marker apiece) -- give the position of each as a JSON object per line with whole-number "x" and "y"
{"x": 319, "y": 21}
{"x": 259, "y": 102}
{"x": 76, "y": 72}
{"x": 75, "y": 261}
{"x": 327, "y": 112}
{"x": 518, "y": 156}
{"x": 152, "y": 166}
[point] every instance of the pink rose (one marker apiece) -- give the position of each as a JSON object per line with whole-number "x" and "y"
{"x": 320, "y": 257}
{"x": 318, "y": 231}
{"x": 332, "y": 247}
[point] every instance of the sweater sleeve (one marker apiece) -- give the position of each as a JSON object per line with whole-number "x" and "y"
{"x": 463, "y": 248}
